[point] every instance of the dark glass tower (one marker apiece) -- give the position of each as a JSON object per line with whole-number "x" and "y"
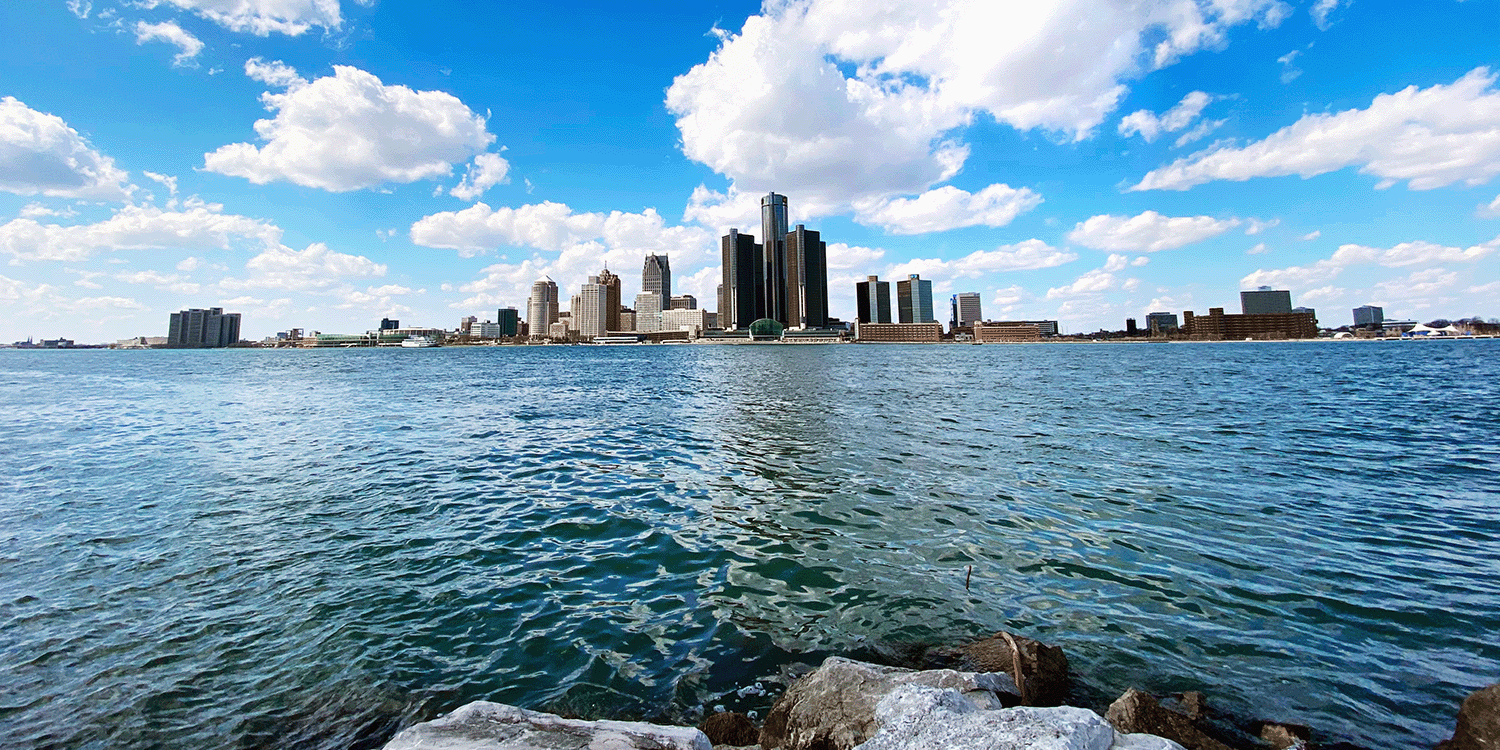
{"x": 807, "y": 287}
{"x": 743, "y": 296}
{"x": 872, "y": 298}
{"x": 779, "y": 276}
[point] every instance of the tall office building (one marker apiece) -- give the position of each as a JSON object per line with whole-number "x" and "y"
{"x": 541, "y": 307}
{"x": 612, "y": 302}
{"x": 648, "y": 312}
{"x": 1266, "y": 301}
{"x": 509, "y": 320}
{"x": 966, "y": 310}
{"x": 389, "y": 324}
{"x": 200, "y": 328}
{"x": 1161, "y": 322}
{"x": 1369, "y": 316}
{"x": 742, "y": 300}
{"x": 591, "y": 309}
{"x": 807, "y": 285}
{"x": 683, "y": 302}
{"x": 914, "y": 300}
{"x": 872, "y": 299}
{"x": 656, "y": 276}
{"x": 779, "y": 275}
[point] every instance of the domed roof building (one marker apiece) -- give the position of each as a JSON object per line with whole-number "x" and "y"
{"x": 765, "y": 329}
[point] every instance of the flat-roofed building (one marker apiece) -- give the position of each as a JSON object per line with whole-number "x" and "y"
{"x": 872, "y": 299}
{"x": 1216, "y": 326}
{"x": 1369, "y": 316}
{"x": 1006, "y": 333}
{"x": 898, "y": 333}
{"x": 683, "y": 302}
{"x": 542, "y": 307}
{"x": 742, "y": 300}
{"x": 914, "y": 300}
{"x": 966, "y": 309}
{"x": 591, "y": 309}
{"x": 648, "y": 312}
{"x": 201, "y": 328}
{"x": 509, "y": 320}
{"x": 1266, "y": 301}
{"x": 1045, "y": 327}
{"x": 693, "y": 321}
{"x": 1161, "y": 322}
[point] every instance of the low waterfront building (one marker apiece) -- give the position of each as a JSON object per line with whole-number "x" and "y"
{"x": 894, "y": 333}
{"x": 692, "y": 320}
{"x": 1006, "y": 333}
{"x": 486, "y": 330}
{"x": 1216, "y": 326}
{"x": 1044, "y": 327}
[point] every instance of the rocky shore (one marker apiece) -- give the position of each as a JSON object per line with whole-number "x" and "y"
{"x": 1000, "y": 693}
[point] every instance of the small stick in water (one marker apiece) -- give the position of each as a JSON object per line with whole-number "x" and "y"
{"x": 967, "y": 577}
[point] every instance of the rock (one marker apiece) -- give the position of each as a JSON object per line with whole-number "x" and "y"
{"x": 1138, "y": 712}
{"x": 1044, "y": 669}
{"x": 1284, "y": 736}
{"x": 833, "y": 708}
{"x": 1478, "y": 722}
{"x": 916, "y": 717}
{"x": 1193, "y": 705}
{"x": 730, "y": 728}
{"x": 495, "y": 726}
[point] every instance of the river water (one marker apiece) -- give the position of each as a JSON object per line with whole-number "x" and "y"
{"x": 247, "y": 549}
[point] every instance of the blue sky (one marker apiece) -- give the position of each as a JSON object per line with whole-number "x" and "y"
{"x": 322, "y": 164}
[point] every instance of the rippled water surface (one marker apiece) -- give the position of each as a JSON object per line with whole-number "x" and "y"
{"x": 249, "y": 549}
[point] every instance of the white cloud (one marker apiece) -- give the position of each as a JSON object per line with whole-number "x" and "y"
{"x": 167, "y": 181}
{"x": 1321, "y": 10}
{"x": 350, "y": 131}
{"x": 1402, "y": 255}
{"x": 1148, "y": 232}
{"x": 1140, "y": 260}
{"x": 487, "y": 171}
{"x": 844, "y": 257}
{"x": 1321, "y": 294}
{"x": 189, "y": 263}
{"x": 1491, "y": 211}
{"x": 170, "y": 282}
{"x": 1022, "y": 256}
{"x": 1429, "y": 137}
{"x": 315, "y": 268}
{"x": 1150, "y": 125}
{"x": 1256, "y": 226}
{"x": 45, "y": 301}
{"x": 1090, "y": 283}
{"x": 38, "y": 211}
{"x": 838, "y": 101}
{"x": 194, "y": 225}
{"x": 274, "y": 73}
{"x": 1418, "y": 284}
{"x": 80, "y": 8}
{"x": 1197, "y": 133}
{"x": 1259, "y": 249}
{"x": 261, "y": 17}
{"x": 948, "y": 207}
{"x": 1289, "y": 69}
{"x": 188, "y": 46}
{"x": 1310, "y": 236}
{"x": 40, "y": 154}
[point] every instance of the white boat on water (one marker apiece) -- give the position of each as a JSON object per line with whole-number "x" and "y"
{"x": 418, "y": 342}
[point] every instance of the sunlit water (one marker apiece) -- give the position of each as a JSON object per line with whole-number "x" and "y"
{"x": 248, "y": 549}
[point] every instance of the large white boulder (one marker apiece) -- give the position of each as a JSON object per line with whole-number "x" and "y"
{"x": 495, "y": 726}
{"x": 917, "y": 717}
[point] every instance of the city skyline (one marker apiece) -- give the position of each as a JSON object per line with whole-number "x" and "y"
{"x": 174, "y": 157}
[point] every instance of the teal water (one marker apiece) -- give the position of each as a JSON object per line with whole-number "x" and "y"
{"x": 247, "y": 549}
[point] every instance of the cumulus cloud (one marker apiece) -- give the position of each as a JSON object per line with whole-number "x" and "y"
{"x": 844, "y": 257}
{"x": 843, "y": 100}
{"x": 1322, "y": 10}
{"x": 41, "y": 155}
{"x": 262, "y": 17}
{"x": 1256, "y": 226}
{"x": 1021, "y": 256}
{"x": 188, "y": 46}
{"x": 274, "y": 73}
{"x": 172, "y": 282}
{"x": 1148, "y": 232}
{"x": 349, "y": 131}
{"x": 194, "y": 225}
{"x": 1401, "y": 255}
{"x": 1150, "y": 125}
{"x": 1259, "y": 249}
{"x": 314, "y": 268}
{"x": 46, "y": 301}
{"x": 1310, "y": 236}
{"x": 947, "y": 208}
{"x": 38, "y": 211}
{"x": 487, "y": 171}
{"x": 1428, "y": 137}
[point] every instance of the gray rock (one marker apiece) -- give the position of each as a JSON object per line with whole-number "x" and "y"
{"x": 495, "y": 726}
{"x": 1478, "y": 722}
{"x": 1138, "y": 712}
{"x": 833, "y": 708}
{"x": 914, "y": 717}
